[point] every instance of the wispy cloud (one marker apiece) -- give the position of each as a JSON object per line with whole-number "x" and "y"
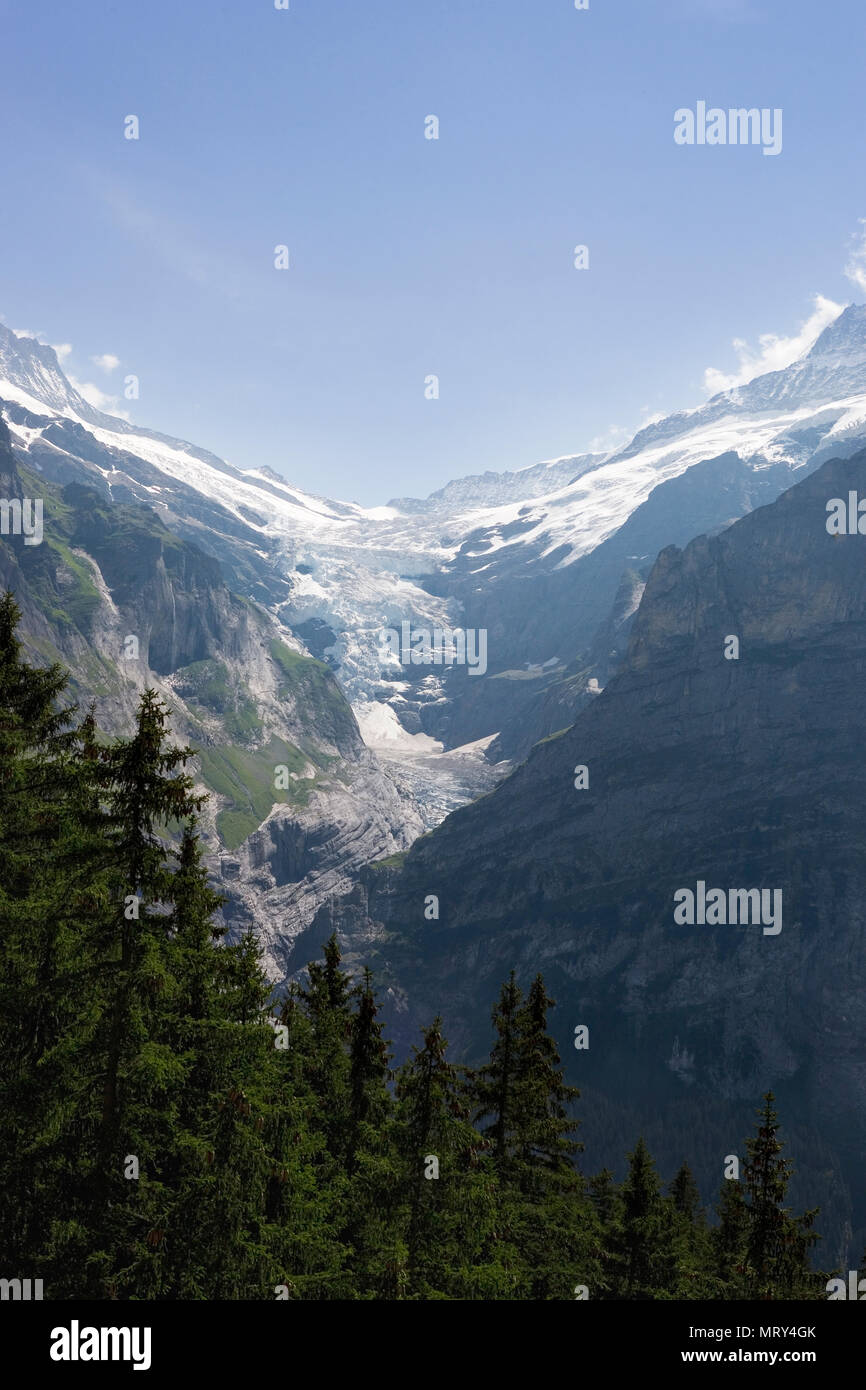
{"x": 95, "y": 396}
{"x": 180, "y": 248}
{"x": 107, "y": 361}
{"x": 774, "y": 350}
{"x": 616, "y": 436}
{"x": 611, "y": 439}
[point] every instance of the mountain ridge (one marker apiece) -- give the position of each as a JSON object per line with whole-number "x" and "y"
{"x": 739, "y": 773}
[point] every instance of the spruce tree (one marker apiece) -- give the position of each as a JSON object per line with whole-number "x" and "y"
{"x": 729, "y": 1240}
{"x": 496, "y": 1084}
{"x": 642, "y": 1241}
{"x": 306, "y": 1195}
{"x": 684, "y": 1194}
{"x": 369, "y": 1071}
{"x": 687, "y": 1263}
{"x": 51, "y": 886}
{"x": 147, "y": 789}
{"x": 547, "y": 1145}
{"x": 379, "y": 1257}
{"x": 545, "y": 1216}
{"x": 226, "y": 1192}
{"x": 607, "y": 1205}
{"x": 326, "y": 1000}
{"x": 447, "y": 1186}
{"x": 778, "y": 1244}
{"x": 558, "y": 1223}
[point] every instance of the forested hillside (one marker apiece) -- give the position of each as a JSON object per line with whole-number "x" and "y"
{"x": 170, "y": 1133}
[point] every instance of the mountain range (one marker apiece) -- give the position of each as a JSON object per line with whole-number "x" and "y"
{"x": 607, "y": 585}
{"x": 536, "y": 557}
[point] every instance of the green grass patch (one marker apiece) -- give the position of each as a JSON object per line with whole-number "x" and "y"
{"x": 311, "y": 684}
{"x": 245, "y": 777}
{"x": 209, "y": 684}
{"x": 552, "y": 737}
{"x": 526, "y": 675}
{"x": 393, "y": 861}
{"x": 234, "y": 827}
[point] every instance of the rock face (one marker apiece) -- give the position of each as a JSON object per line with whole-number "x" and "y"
{"x": 735, "y": 773}
{"x": 573, "y": 622}
{"x": 125, "y": 604}
{"x": 301, "y": 858}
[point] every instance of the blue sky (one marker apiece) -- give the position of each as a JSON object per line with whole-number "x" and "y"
{"x": 412, "y": 257}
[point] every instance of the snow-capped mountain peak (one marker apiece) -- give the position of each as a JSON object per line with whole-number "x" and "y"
{"x": 31, "y": 373}
{"x": 353, "y": 570}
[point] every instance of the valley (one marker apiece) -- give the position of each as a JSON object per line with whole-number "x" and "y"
{"x": 549, "y": 797}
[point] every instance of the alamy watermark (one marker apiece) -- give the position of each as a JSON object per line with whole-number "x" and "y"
{"x": 846, "y": 518}
{"x": 438, "y": 646}
{"x": 855, "y": 1290}
{"x": 22, "y": 516}
{"x": 77, "y": 1343}
{"x": 735, "y": 907}
{"x": 736, "y": 126}
{"x": 21, "y": 1290}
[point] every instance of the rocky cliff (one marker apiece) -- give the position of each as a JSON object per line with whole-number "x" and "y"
{"x": 124, "y": 603}
{"x": 732, "y": 764}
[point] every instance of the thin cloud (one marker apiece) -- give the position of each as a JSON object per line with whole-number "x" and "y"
{"x": 774, "y": 351}
{"x": 99, "y": 399}
{"x": 606, "y": 443}
{"x": 617, "y": 436}
{"x": 179, "y": 247}
{"x": 107, "y": 361}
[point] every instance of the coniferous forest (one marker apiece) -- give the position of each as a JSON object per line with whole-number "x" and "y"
{"x": 172, "y": 1131}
